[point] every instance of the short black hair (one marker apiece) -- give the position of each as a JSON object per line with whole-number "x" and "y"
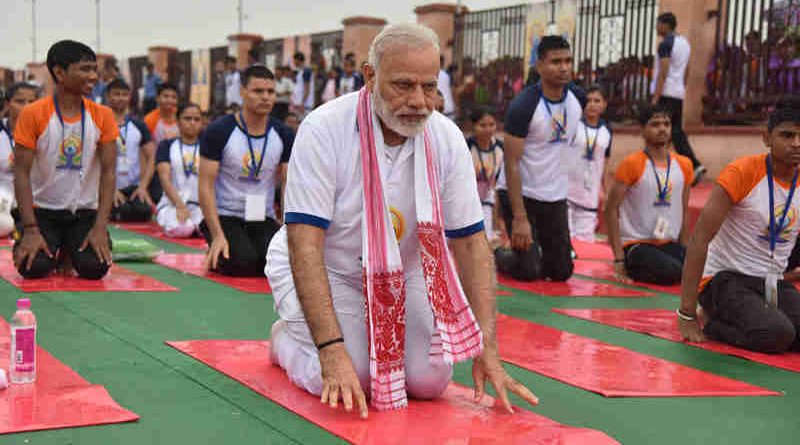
{"x": 12, "y": 90}
{"x": 67, "y": 52}
{"x": 787, "y": 110}
{"x": 299, "y": 56}
{"x": 230, "y": 59}
{"x": 551, "y": 43}
{"x": 257, "y": 72}
{"x": 167, "y": 86}
{"x": 647, "y": 111}
{"x": 668, "y": 19}
{"x": 596, "y": 88}
{"x": 117, "y": 84}
{"x": 186, "y": 106}
{"x": 479, "y": 113}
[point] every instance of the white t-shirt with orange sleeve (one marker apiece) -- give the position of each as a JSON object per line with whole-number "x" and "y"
{"x": 640, "y": 208}
{"x": 742, "y": 242}
{"x": 66, "y": 171}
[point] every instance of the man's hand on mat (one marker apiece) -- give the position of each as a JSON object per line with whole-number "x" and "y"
{"x": 219, "y": 246}
{"x": 143, "y": 196}
{"x": 98, "y": 241}
{"x": 690, "y": 330}
{"x": 339, "y": 378}
{"x": 487, "y": 367}
{"x": 29, "y": 246}
{"x": 620, "y": 274}
{"x": 182, "y": 213}
{"x": 521, "y": 237}
{"x": 119, "y": 198}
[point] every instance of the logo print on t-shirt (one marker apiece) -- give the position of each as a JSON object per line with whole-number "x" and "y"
{"x": 558, "y": 125}
{"x": 248, "y": 172}
{"x": 398, "y": 223}
{"x": 785, "y": 235}
{"x": 122, "y": 148}
{"x": 189, "y": 162}
{"x": 10, "y": 160}
{"x": 70, "y": 153}
{"x": 665, "y": 200}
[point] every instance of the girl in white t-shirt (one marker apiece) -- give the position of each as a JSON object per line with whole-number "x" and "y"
{"x": 487, "y": 156}
{"x": 17, "y": 96}
{"x": 178, "y": 212}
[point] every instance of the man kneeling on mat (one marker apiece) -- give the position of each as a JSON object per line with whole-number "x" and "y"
{"x": 242, "y": 158}
{"x": 744, "y": 238}
{"x": 646, "y": 208}
{"x": 376, "y": 183}
{"x": 64, "y": 174}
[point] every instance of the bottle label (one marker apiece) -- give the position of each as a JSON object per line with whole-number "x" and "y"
{"x": 24, "y": 349}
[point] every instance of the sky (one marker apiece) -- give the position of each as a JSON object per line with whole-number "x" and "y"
{"x": 129, "y": 27}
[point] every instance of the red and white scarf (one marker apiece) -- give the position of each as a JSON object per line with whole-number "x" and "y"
{"x": 384, "y": 281}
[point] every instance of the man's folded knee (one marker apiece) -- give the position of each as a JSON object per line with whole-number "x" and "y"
{"x": 776, "y": 337}
{"x": 88, "y": 266}
{"x": 41, "y": 267}
{"x": 428, "y": 383}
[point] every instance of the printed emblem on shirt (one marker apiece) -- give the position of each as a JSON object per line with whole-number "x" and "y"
{"x": 398, "y": 223}
{"x": 70, "y": 153}
{"x": 249, "y": 172}
{"x": 11, "y": 160}
{"x": 558, "y": 126}
{"x": 190, "y": 162}
{"x": 122, "y": 148}
{"x": 785, "y": 234}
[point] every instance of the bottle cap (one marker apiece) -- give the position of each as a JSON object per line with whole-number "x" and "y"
{"x": 23, "y": 303}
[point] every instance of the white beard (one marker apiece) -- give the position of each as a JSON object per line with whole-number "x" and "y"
{"x": 390, "y": 120}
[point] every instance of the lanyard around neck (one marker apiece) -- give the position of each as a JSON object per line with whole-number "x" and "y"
{"x": 590, "y": 148}
{"x": 255, "y": 167}
{"x": 775, "y": 229}
{"x": 662, "y": 189}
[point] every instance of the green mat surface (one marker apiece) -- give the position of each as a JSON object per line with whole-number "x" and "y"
{"x": 117, "y": 340}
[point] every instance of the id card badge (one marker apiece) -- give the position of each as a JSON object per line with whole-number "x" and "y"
{"x": 123, "y": 166}
{"x": 587, "y": 177}
{"x": 662, "y": 228}
{"x": 771, "y": 289}
{"x": 255, "y": 207}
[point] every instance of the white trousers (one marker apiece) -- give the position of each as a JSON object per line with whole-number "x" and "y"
{"x": 6, "y": 204}
{"x": 582, "y": 223}
{"x": 167, "y": 218}
{"x": 294, "y": 350}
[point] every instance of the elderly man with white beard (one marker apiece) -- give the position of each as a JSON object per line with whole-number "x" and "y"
{"x": 369, "y": 298}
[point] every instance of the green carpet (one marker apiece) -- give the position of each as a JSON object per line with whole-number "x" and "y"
{"x": 117, "y": 340}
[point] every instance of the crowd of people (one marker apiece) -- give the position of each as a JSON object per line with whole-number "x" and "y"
{"x": 362, "y": 198}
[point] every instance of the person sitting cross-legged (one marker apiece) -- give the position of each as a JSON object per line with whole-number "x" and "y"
{"x": 647, "y": 206}
{"x": 740, "y": 247}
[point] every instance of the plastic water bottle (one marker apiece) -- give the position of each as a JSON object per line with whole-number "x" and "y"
{"x": 22, "y": 367}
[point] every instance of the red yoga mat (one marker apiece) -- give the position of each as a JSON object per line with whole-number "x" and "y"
{"x": 574, "y": 287}
{"x": 6, "y": 242}
{"x": 663, "y": 324}
{"x": 611, "y": 371}
{"x": 59, "y": 398}
{"x": 118, "y": 279}
{"x": 452, "y": 418}
{"x": 592, "y": 251}
{"x": 192, "y": 263}
{"x": 605, "y": 271}
{"x": 152, "y": 229}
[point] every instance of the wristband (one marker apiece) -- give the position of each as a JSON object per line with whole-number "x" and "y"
{"x": 30, "y": 225}
{"x": 683, "y": 316}
{"x": 329, "y": 342}
{"x": 616, "y": 261}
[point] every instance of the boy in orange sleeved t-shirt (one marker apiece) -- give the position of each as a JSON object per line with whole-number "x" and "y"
{"x": 65, "y": 171}
{"x": 741, "y": 245}
{"x": 646, "y": 208}
{"x": 163, "y": 122}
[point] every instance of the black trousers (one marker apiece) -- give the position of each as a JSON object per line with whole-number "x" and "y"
{"x": 649, "y": 263}
{"x": 137, "y": 210}
{"x": 738, "y": 314}
{"x": 64, "y": 233}
{"x": 550, "y": 255}
{"x": 247, "y": 241}
{"x": 679, "y": 139}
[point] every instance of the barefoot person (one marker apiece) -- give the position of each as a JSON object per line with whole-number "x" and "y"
{"x": 647, "y": 206}
{"x": 367, "y": 293}
{"x": 741, "y": 245}
{"x": 64, "y": 172}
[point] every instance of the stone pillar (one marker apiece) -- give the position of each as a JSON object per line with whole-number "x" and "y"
{"x": 289, "y": 49}
{"x": 358, "y": 35}
{"x": 40, "y": 75}
{"x": 159, "y": 57}
{"x": 699, "y": 30}
{"x": 240, "y": 44}
{"x": 440, "y": 17}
